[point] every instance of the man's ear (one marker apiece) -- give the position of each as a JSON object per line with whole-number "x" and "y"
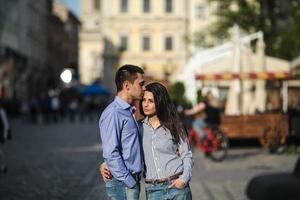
{"x": 126, "y": 85}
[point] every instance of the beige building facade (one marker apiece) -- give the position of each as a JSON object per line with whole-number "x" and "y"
{"x": 149, "y": 33}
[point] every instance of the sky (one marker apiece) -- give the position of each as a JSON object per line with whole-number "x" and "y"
{"x": 72, "y": 4}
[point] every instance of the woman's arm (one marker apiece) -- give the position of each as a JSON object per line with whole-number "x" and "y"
{"x": 196, "y": 109}
{"x": 187, "y": 158}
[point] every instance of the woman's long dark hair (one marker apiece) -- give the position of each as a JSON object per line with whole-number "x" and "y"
{"x": 166, "y": 111}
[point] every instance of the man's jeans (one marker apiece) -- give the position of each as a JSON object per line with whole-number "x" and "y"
{"x": 117, "y": 190}
{"x": 163, "y": 191}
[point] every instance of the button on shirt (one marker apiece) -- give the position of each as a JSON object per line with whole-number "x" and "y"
{"x": 120, "y": 137}
{"x": 164, "y": 158}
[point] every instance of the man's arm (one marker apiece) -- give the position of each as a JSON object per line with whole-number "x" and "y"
{"x": 110, "y": 131}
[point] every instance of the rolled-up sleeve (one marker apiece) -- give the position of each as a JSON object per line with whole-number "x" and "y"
{"x": 187, "y": 158}
{"x": 110, "y": 132}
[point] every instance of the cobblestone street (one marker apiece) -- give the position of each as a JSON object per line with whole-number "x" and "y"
{"x": 59, "y": 161}
{"x": 55, "y": 161}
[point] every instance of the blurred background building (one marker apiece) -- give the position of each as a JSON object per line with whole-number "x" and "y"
{"x": 151, "y": 34}
{"x": 37, "y": 40}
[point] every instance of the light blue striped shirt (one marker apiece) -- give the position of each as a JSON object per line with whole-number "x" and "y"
{"x": 164, "y": 158}
{"x": 121, "y": 143}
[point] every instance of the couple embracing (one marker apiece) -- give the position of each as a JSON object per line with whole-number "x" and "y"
{"x": 156, "y": 147}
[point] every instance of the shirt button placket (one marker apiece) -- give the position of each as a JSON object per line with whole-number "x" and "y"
{"x": 155, "y": 153}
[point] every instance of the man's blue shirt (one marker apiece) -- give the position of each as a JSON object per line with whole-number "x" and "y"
{"x": 120, "y": 137}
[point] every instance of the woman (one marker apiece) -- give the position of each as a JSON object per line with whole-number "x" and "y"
{"x": 167, "y": 156}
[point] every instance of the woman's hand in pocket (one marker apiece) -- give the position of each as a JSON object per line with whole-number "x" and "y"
{"x": 178, "y": 183}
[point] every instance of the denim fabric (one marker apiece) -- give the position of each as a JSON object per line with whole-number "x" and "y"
{"x": 162, "y": 191}
{"x": 117, "y": 190}
{"x": 198, "y": 125}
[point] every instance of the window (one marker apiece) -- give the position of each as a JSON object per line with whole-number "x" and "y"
{"x": 107, "y": 45}
{"x": 146, "y": 6}
{"x": 168, "y": 6}
{"x": 146, "y": 43}
{"x": 124, "y": 6}
{"x": 97, "y": 4}
{"x": 123, "y": 43}
{"x": 168, "y": 43}
{"x": 200, "y": 12}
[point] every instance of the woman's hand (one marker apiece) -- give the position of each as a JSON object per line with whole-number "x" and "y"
{"x": 178, "y": 183}
{"x": 105, "y": 172}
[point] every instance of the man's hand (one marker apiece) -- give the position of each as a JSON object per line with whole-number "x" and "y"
{"x": 178, "y": 183}
{"x": 105, "y": 172}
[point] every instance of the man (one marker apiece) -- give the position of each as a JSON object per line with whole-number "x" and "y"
{"x": 120, "y": 135}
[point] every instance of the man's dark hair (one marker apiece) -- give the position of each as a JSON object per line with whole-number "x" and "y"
{"x": 127, "y": 73}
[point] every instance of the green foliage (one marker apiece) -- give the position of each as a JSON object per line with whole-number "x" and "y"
{"x": 199, "y": 96}
{"x": 177, "y": 91}
{"x": 278, "y": 19}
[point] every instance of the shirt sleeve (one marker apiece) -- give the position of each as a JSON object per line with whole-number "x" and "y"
{"x": 110, "y": 132}
{"x": 187, "y": 158}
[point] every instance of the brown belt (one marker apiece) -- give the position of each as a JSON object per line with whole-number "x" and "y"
{"x": 163, "y": 180}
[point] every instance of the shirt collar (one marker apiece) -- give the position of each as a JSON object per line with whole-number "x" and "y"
{"x": 146, "y": 121}
{"x": 132, "y": 109}
{"x": 122, "y": 103}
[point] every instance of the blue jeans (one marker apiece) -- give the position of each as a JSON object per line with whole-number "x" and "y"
{"x": 198, "y": 125}
{"x": 163, "y": 192}
{"x": 117, "y": 190}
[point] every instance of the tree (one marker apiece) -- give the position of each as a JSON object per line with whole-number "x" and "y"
{"x": 278, "y": 19}
{"x": 177, "y": 91}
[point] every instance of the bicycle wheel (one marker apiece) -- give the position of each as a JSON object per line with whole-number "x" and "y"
{"x": 222, "y": 144}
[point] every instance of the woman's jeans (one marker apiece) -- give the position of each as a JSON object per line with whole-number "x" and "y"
{"x": 162, "y": 191}
{"x": 117, "y": 190}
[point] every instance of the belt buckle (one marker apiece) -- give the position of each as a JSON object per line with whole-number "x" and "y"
{"x": 154, "y": 182}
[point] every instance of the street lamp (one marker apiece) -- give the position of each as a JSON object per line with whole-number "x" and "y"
{"x": 66, "y": 76}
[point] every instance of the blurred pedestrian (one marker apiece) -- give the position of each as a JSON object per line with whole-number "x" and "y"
{"x": 25, "y": 111}
{"x": 55, "y": 107}
{"x": 73, "y": 107}
{"x": 206, "y": 113}
{"x": 45, "y": 107}
{"x": 5, "y": 133}
{"x": 33, "y": 109}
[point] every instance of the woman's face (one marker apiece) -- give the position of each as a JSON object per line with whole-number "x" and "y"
{"x": 148, "y": 104}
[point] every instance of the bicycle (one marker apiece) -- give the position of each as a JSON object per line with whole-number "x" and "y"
{"x": 215, "y": 146}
